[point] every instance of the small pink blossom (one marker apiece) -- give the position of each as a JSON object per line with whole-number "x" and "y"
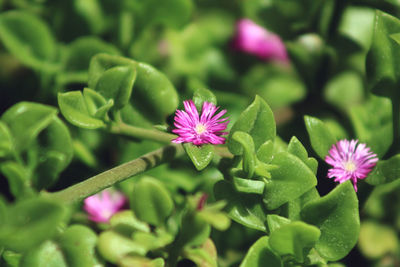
{"x": 256, "y": 40}
{"x": 103, "y": 205}
{"x": 206, "y": 129}
{"x": 350, "y": 161}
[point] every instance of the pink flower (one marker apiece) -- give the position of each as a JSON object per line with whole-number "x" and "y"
{"x": 206, "y": 129}
{"x": 256, "y": 40}
{"x": 103, "y": 205}
{"x": 350, "y": 160}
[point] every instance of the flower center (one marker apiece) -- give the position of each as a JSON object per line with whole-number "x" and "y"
{"x": 350, "y": 166}
{"x": 200, "y": 128}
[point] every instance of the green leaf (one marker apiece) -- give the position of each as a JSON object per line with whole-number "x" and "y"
{"x": 130, "y": 261}
{"x": 77, "y": 58}
{"x": 320, "y": 137}
{"x": 81, "y": 50}
{"x": 202, "y": 95}
{"x": 6, "y": 143}
{"x": 154, "y": 95}
{"x": 295, "y": 239}
{"x": 336, "y": 214}
{"x": 74, "y": 109}
{"x": 26, "y": 120}
{"x": 97, "y": 105}
{"x": 194, "y": 231}
{"x": 260, "y": 253}
{"x": 293, "y": 208}
{"x": 29, "y": 39}
{"x": 385, "y": 171}
{"x": 47, "y": 254}
{"x": 216, "y": 218}
{"x": 55, "y": 151}
{"x": 377, "y": 240}
{"x": 275, "y": 222}
{"x": 292, "y": 179}
{"x": 151, "y": 202}
{"x": 201, "y": 156}
{"x": 78, "y": 243}
{"x": 248, "y": 186}
{"x": 116, "y": 83}
{"x": 377, "y": 130}
{"x": 128, "y": 219}
{"x": 173, "y": 13}
{"x": 266, "y": 151}
{"x": 30, "y": 222}
{"x": 337, "y": 90}
{"x": 246, "y": 209}
{"x": 383, "y": 72}
{"x": 17, "y": 176}
{"x": 249, "y": 158}
{"x": 102, "y": 62}
{"x": 113, "y": 246}
{"x": 12, "y": 258}
{"x": 258, "y": 121}
{"x": 296, "y": 148}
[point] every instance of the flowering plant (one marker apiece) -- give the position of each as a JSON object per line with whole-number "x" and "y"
{"x": 199, "y": 133}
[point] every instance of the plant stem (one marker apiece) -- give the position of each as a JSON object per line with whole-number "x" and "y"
{"x": 108, "y": 178}
{"x": 141, "y": 133}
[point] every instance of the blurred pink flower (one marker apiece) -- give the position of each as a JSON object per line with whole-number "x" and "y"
{"x": 256, "y": 40}
{"x": 103, "y": 205}
{"x": 350, "y": 161}
{"x": 206, "y": 129}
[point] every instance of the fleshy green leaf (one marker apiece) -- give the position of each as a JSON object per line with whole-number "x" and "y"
{"x": 246, "y": 209}
{"x": 17, "y": 177}
{"x": 258, "y": 121}
{"x": 127, "y": 219}
{"x": 383, "y": 72}
{"x": 78, "y": 243}
{"x": 249, "y": 158}
{"x": 248, "y": 186}
{"x": 47, "y": 254}
{"x": 74, "y": 109}
{"x": 260, "y": 253}
{"x": 77, "y": 58}
{"x": 336, "y": 214}
{"x": 290, "y": 180}
{"x": 113, "y": 246}
{"x": 202, "y": 95}
{"x": 377, "y": 240}
{"x": 116, "y": 83}
{"x": 385, "y": 171}
{"x": 6, "y": 144}
{"x": 377, "y": 130}
{"x": 29, "y": 39}
{"x": 320, "y": 137}
{"x": 296, "y": 148}
{"x": 337, "y": 90}
{"x": 294, "y": 239}
{"x": 201, "y": 156}
{"x": 275, "y": 222}
{"x": 30, "y": 222}
{"x": 293, "y": 208}
{"x": 154, "y": 95}
{"x": 194, "y": 231}
{"x": 55, "y": 151}
{"x": 26, "y": 120}
{"x": 151, "y": 202}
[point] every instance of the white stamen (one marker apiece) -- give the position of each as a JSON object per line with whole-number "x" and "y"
{"x": 200, "y": 128}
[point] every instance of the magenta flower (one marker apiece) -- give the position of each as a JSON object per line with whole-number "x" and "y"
{"x": 256, "y": 40}
{"x": 350, "y": 161}
{"x": 102, "y": 206}
{"x": 206, "y": 129}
